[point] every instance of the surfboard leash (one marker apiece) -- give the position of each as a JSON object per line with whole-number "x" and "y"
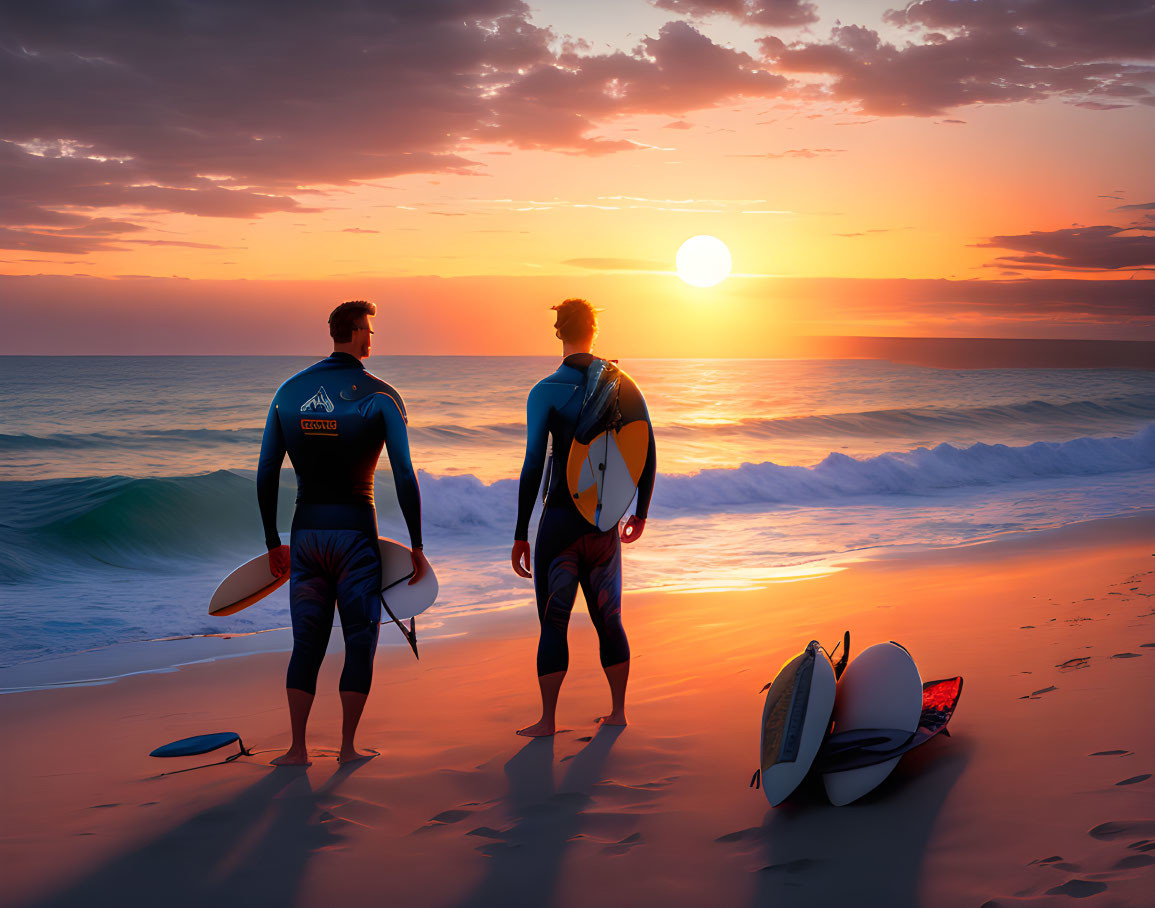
{"x": 411, "y": 633}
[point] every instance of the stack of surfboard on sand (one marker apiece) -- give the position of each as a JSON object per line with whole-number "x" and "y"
{"x": 851, "y": 723}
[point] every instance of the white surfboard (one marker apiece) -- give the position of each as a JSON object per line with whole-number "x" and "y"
{"x": 404, "y": 601}
{"x": 881, "y": 688}
{"x": 249, "y": 583}
{"x": 795, "y": 719}
{"x": 253, "y": 581}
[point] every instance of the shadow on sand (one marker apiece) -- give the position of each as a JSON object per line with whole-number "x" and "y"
{"x": 525, "y": 861}
{"x": 870, "y": 852}
{"x": 253, "y": 848}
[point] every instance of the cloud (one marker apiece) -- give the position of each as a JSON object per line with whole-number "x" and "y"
{"x": 359, "y": 230}
{"x": 751, "y": 12}
{"x": 556, "y": 104}
{"x": 793, "y": 153}
{"x": 984, "y": 51}
{"x": 1100, "y": 248}
{"x": 216, "y": 108}
{"x": 612, "y": 264}
{"x": 1144, "y": 206}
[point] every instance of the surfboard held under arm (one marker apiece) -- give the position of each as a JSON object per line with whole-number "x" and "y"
{"x": 253, "y": 581}
{"x": 249, "y": 583}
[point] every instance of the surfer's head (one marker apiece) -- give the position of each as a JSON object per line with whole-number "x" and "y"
{"x": 577, "y": 322}
{"x": 351, "y": 327}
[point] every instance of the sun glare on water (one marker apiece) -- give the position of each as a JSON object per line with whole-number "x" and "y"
{"x": 703, "y": 261}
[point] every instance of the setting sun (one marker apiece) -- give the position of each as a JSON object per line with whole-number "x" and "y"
{"x": 703, "y": 261}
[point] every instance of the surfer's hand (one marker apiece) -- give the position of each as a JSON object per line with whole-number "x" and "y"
{"x": 632, "y": 531}
{"x": 520, "y": 558}
{"x": 279, "y": 560}
{"x": 420, "y": 566}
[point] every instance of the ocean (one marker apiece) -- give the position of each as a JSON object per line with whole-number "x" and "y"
{"x": 127, "y": 484}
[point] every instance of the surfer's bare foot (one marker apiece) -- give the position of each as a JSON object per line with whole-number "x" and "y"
{"x": 352, "y": 755}
{"x": 292, "y": 757}
{"x": 540, "y": 729}
{"x": 612, "y": 719}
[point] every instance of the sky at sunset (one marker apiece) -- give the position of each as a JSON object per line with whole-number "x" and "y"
{"x": 213, "y": 176}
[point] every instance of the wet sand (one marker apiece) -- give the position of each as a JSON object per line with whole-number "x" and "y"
{"x": 1042, "y": 793}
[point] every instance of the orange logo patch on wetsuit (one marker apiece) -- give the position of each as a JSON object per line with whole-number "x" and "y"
{"x": 319, "y": 426}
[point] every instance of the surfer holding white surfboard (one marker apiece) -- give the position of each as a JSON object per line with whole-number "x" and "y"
{"x": 333, "y": 420}
{"x": 602, "y": 454}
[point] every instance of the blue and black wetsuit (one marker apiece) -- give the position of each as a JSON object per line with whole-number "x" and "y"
{"x": 570, "y": 551}
{"x": 333, "y": 419}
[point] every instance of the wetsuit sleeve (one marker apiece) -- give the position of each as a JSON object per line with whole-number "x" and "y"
{"x": 537, "y": 439}
{"x": 649, "y": 472}
{"x": 269, "y": 475}
{"x": 404, "y": 477}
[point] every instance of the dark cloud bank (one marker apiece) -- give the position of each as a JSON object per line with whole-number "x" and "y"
{"x": 232, "y": 108}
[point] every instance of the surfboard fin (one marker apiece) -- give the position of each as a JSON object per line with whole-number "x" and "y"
{"x": 840, "y": 665}
{"x": 410, "y": 632}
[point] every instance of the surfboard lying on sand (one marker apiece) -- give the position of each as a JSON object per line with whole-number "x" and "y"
{"x": 804, "y": 702}
{"x": 795, "y": 720}
{"x": 253, "y": 581}
{"x": 870, "y": 746}
{"x": 881, "y": 688}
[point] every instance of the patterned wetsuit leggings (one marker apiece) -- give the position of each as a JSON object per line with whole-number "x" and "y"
{"x": 341, "y": 567}
{"x": 570, "y": 553}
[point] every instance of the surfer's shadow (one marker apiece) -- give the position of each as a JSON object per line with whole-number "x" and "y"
{"x": 526, "y": 858}
{"x": 871, "y": 851}
{"x": 275, "y": 822}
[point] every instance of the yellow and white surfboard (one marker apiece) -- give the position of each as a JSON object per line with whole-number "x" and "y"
{"x": 603, "y": 475}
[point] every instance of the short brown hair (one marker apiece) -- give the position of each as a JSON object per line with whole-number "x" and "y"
{"x": 576, "y": 320}
{"x": 342, "y": 318}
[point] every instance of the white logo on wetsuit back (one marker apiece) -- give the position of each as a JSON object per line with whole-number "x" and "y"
{"x": 319, "y": 401}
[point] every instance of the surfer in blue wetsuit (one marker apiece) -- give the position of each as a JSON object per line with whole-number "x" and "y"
{"x": 570, "y": 551}
{"x": 333, "y": 419}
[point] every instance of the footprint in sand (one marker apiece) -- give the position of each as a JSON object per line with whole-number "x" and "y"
{"x": 1119, "y": 828}
{"x": 1078, "y": 889}
{"x": 791, "y": 867}
{"x": 619, "y": 847}
{"x": 1131, "y": 781}
{"x": 450, "y": 816}
{"x": 1057, "y": 863}
{"x": 1134, "y": 862}
{"x": 443, "y": 819}
{"x": 742, "y": 835}
{"x": 487, "y": 832}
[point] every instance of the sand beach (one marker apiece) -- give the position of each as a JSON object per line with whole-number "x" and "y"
{"x": 1042, "y": 793}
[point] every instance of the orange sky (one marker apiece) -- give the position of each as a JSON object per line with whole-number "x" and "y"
{"x": 800, "y": 183}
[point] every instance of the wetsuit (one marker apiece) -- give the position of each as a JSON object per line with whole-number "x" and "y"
{"x": 570, "y": 551}
{"x": 333, "y": 419}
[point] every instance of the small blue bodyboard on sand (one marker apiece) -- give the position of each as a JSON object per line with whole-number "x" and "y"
{"x": 197, "y": 744}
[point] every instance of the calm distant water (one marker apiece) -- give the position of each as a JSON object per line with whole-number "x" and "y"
{"x": 126, "y": 483}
